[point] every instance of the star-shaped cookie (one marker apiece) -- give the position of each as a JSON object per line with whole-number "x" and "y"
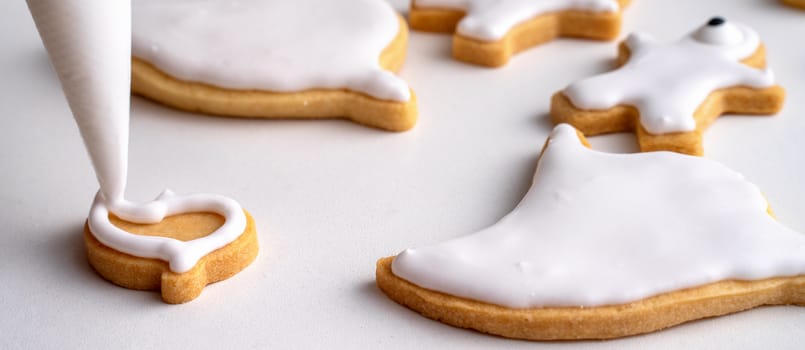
{"x": 670, "y": 93}
{"x": 488, "y": 32}
{"x": 608, "y": 245}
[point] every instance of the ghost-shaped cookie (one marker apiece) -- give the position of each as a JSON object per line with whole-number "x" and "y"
{"x": 275, "y": 59}
{"x": 489, "y": 32}
{"x": 668, "y": 93}
{"x": 608, "y": 245}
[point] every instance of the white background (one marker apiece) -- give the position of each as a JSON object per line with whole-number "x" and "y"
{"x": 331, "y": 197}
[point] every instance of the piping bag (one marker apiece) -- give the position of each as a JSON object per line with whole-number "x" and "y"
{"x": 89, "y": 44}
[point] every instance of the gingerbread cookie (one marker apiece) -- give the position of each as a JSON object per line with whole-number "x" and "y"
{"x": 795, "y": 3}
{"x": 668, "y": 94}
{"x": 275, "y": 59}
{"x": 489, "y": 32}
{"x": 176, "y": 244}
{"x": 605, "y": 246}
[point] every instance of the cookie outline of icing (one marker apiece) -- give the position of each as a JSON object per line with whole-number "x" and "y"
{"x": 178, "y": 279}
{"x": 535, "y": 31}
{"x": 315, "y": 103}
{"x": 738, "y": 99}
{"x": 607, "y": 321}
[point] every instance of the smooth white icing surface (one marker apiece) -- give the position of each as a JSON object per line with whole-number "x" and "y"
{"x": 273, "y": 45}
{"x": 668, "y": 82}
{"x": 181, "y": 255}
{"x": 600, "y": 229}
{"x": 490, "y": 20}
{"x": 89, "y": 43}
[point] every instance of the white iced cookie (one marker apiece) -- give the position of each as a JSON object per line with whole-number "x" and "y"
{"x": 600, "y": 231}
{"x": 678, "y": 87}
{"x": 274, "y": 58}
{"x": 89, "y": 44}
{"x": 488, "y": 32}
{"x": 490, "y": 20}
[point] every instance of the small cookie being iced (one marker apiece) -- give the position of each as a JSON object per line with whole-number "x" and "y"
{"x": 795, "y": 3}
{"x": 275, "y": 59}
{"x": 608, "y": 245}
{"x": 489, "y": 32}
{"x": 668, "y": 94}
{"x": 177, "y": 243}
{"x": 200, "y": 239}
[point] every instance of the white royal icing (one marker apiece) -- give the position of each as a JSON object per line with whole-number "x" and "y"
{"x": 601, "y": 229}
{"x": 273, "y": 45}
{"x": 668, "y": 82}
{"x": 89, "y": 43}
{"x": 490, "y": 20}
{"x": 181, "y": 255}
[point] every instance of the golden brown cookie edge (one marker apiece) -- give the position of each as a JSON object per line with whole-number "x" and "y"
{"x": 800, "y": 4}
{"x": 625, "y": 118}
{"x": 150, "y": 82}
{"x": 535, "y": 31}
{"x": 644, "y": 316}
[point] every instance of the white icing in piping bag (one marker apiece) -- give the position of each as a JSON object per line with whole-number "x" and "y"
{"x": 89, "y": 43}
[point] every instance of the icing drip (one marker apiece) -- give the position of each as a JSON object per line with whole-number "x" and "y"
{"x": 600, "y": 229}
{"x": 273, "y": 45}
{"x": 668, "y": 82}
{"x": 89, "y": 43}
{"x": 490, "y": 20}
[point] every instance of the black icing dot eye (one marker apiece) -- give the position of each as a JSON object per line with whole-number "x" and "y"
{"x": 716, "y": 21}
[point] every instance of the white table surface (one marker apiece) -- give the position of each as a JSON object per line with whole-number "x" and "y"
{"x": 331, "y": 197}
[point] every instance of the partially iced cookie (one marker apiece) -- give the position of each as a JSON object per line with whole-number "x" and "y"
{"x": 275, "y": 59}
{"x": 202, "y": 239}
{"x": 605, "y": 246}
{"x": 489, "y": 32}
{"x": 669, "y": 93}
{"x": 176, "y": 244}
